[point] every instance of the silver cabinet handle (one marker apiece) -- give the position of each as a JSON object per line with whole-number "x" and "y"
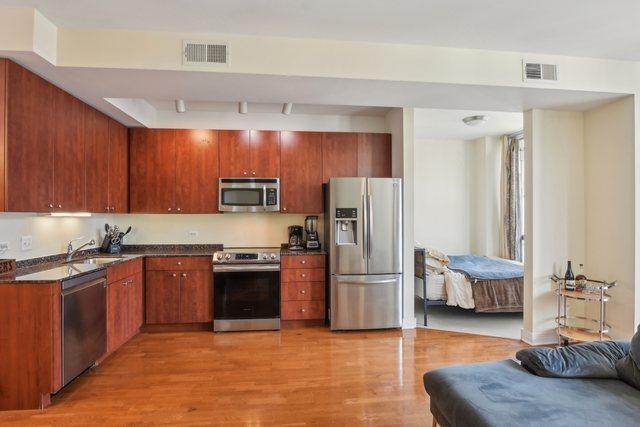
{"x": 179, "y": 262}
{"x": 107, "y": 208}
{"x": 173, "y": 275}
{"x": 253, "y": 173}
{"x": 302, "y": 310}
{"x": 244, "y": 173}
{"x": 179, "y": 209}
{"x": 284, "y": 209}
{"x": 50, "y": 205}
{"x": 184, "y": 274}
{"x": 59, "y": 205}
{"x": 303, "y": 275}
{"x": 169, "y": 209}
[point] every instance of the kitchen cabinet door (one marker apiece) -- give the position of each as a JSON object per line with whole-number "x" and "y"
{"x": 117, "y": 314}
{"x": 374, "y": 155}
{"x": 29, "y": 141}
{"x": 135, "y": 304}
{"x": 265, "y": 154}
{"x": 196, "y": 296}
{"x": 162, "y": 297}
{"x": 96, "y": 140}
{"x": 339, "y": 155}
{"x": 68, "y": 158}
{"x": 301, "y": 172}
{"x": 235, "y": 152}
{"x": 118, "y": 168}
{"x": 152, "y": 171}
{"x": 197, "y": 171}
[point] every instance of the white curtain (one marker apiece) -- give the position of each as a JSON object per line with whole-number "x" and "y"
{"x": 511, "y": 209}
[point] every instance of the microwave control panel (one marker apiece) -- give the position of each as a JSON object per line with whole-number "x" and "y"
{"x": 272, "y": 196}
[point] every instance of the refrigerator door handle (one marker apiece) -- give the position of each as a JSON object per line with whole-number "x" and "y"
{"x": 365, "y": 229}
{"x": 368, "y": 282}
{"x": 369, "y": 224}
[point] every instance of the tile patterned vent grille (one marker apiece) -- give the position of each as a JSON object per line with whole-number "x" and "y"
{"x": 540, "y": 72}
{"x": 200, "y": 53}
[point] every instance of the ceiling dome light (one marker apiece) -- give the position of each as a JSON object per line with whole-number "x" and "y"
{"x": 180, "y": 106}
{"x": 475, "y": 120}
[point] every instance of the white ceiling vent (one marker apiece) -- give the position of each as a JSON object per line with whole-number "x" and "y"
{"x": 533, "y": 71}
{"x": 204, "y": 53}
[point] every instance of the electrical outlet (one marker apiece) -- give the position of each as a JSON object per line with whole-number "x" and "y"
{"x": 26, "y": 243}
{"x": 193, "y": 233}
{"x": 4, "y": 247}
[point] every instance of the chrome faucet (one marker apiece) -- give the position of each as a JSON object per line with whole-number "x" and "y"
{"x": 71, "y": 252}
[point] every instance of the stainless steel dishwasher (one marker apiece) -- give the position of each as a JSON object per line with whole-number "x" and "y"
{"x": 84, "y": 323}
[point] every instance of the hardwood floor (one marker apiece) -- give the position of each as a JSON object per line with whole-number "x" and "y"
{"x": 299, "y": 376}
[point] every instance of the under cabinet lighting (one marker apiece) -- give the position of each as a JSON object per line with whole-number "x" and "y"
{"x": 74, "y": 214}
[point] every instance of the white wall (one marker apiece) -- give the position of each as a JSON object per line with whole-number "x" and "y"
{"x": 50, "y": 234}
{"x": 442, "y": 195}
{"x": 400, "y": 125}
{"x": 554, "y": 212}
{"x": 609, "y": 194}
{"x": 457, "y": 195}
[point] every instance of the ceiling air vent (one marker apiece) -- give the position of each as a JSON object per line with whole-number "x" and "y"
{"x": 204, "y": 53}
{"x": 533, "y": 71}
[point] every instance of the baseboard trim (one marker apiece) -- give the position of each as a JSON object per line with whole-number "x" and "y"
{"x": 539, "y": 338}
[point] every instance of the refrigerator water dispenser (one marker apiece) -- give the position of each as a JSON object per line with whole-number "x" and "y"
{"x": 346, "y": 226}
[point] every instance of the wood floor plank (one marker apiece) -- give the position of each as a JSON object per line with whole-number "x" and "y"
{"x": 297, "y": 377}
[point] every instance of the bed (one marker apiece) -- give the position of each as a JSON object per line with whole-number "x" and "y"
{"x": 496, "y": 284}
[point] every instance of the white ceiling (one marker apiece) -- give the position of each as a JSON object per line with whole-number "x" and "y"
{"x": 593, "y": 28}
{"x": 448, "y": 125}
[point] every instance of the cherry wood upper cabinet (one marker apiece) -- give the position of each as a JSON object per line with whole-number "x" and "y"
{"x": 235, "y": 149}
{"x": 339, "y": 155}
{"x": 152, "y": 170}
{"x": 68, "y": 158}
{"x": 374, "y": 155}
{"x": 301, "y": 172}
{"x": 96, "y": 139}
{"x": 265, "y": 154}
{"x": 196, "y": 171}
{"x": 29, "y": 141}
{"x": 118, "y": 168}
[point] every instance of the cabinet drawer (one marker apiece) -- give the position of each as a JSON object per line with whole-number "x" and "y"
{"x": 124, "y": 270}
{"x": 178, "y": 263}
{"x": 302, "y": 310}
{"x": 302, "y": 291}
{"x": 302, "y": 275}
{"x": 302, "y": 261}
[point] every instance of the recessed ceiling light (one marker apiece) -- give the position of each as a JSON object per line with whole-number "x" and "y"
{"x": 475, "y": 120}
{"x": 286, "y": 108}
{"x": 243, "y": 107}
{"x": 180, "y": 106}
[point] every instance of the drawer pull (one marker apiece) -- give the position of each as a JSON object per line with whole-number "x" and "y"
{"x": 173, "y": 275}
{"x": 303, "y": 261}
{"x": 303, "y": 275}
{"x": 302, "y": 310}
{"x": 184, "y": 274}
{"x": 179, "y": 263}
{"x": 303, "y": 291}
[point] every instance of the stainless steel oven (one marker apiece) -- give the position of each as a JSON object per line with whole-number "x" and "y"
{"x": 249, "y": 194}
{"x": 246, "y": 289}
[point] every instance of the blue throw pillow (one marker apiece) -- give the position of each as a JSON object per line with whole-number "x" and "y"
{"x": 629, "y": 366}
{"x": 586, "y": 360}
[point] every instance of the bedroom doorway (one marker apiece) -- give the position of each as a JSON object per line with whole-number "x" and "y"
{"x": 469, "y": 221}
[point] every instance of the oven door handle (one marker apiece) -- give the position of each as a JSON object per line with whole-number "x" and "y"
{"x": 244, "y": 267}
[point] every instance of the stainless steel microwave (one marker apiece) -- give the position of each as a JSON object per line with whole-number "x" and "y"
{"x": 249, "y": 195}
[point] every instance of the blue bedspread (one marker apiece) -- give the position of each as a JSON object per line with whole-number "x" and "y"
{"x": 484, "y": 268}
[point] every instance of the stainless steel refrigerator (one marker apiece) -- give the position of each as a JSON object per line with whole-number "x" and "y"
{"x": 363, "y": 233}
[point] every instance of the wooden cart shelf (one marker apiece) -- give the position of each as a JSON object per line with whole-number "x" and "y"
{"x": 583, "y": 295}
{"x": 581, "y": 335}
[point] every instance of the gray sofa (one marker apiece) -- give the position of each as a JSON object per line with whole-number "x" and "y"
{"x": 596, "y": 384}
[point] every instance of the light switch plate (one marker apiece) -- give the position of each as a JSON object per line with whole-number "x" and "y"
{"x": 193, "y": 233}
{"x": 26, "y": 243}
{"x": 4, "y": 246}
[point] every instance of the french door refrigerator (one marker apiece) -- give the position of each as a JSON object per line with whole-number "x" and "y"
{"x": 364, "y": 238}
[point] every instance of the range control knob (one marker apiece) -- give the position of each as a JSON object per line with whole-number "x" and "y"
{"x": 273, "y": 256}
{"x": 264, "y": 256}
{"x": 219, "y": 257}
{"x": 227, "y": 257}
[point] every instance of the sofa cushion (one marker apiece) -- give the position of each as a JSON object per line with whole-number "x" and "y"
{"x": 629, "y": 366}
{"x": 505, "y": 394}
{"x": 587, "y": 360}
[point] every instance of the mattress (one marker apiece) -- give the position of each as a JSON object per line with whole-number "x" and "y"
{"x": 436, "y": 290}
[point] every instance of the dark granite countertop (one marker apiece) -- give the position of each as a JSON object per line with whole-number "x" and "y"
{"x": 284, "y": 251}
{"x": 55, "y": 267}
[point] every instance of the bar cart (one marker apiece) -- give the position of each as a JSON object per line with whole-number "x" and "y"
{"x": 573, "y": 328}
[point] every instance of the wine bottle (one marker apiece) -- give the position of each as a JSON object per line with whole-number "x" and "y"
{"x": 569, "y": 279}
{"x": 581, "y": 279}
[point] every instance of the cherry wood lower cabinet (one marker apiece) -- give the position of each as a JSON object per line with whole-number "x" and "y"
{"x": 124, "y": 303}
{"x": 177, "y": 295}
{"x": 302, "y": 289}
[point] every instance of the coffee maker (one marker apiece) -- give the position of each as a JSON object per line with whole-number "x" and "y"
{"x": 295, "y": 238}
{"x": 311, "y": 227}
